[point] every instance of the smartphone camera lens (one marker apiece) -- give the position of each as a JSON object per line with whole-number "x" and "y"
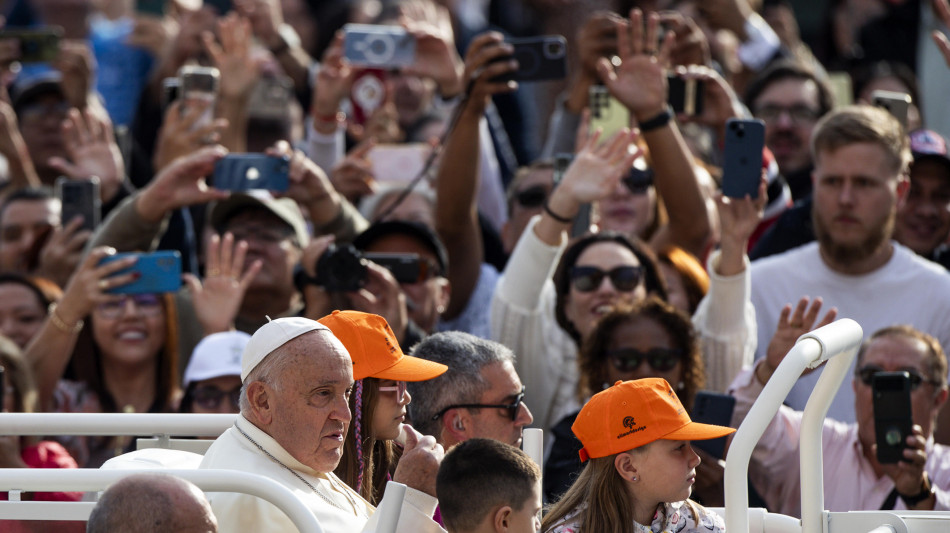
{"x": 554, "y": 49}
{"x": 893, "y": 436}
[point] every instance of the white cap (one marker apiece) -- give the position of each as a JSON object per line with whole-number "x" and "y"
{"x": 273, "y": 335}
{"x": 218, "y": 354}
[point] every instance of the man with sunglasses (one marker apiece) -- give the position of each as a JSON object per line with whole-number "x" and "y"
{"x": 854, "y": 479}
{"x": 480, "y": 395}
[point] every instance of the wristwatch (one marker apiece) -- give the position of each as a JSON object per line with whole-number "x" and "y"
{"x": 925, "y": 491}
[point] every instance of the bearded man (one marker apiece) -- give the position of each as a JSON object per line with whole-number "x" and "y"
{"x": 862, "y": 156}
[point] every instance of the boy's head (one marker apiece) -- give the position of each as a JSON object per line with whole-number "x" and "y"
{"x": 487, "y": 485}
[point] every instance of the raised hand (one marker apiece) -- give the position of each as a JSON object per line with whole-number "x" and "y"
{"x": 482, "y": 65}
{"x": 640, "y": 80}
{"x": 791, "y": 326}
{"x": 239, "y": 70}
{"x": 690, "y": 46}
{"x": 218, "y": 298}
{"x": 908, "y": 473}
{"x": 942, "y": 11}
{"x": 180, "y": 184}
{"x": 332, "y": 85}
{"x": 353, "y": 176}
{"x": 87, "y": 288}
{"x": 436, "y": 56}
{"x": 420, "y": 461}
{"x": 92, "y": 150}
{"x": 62, "y": 252}
{"x": 179, "y": 135}
{"x": 78, "y": 66}
{"x": 719, "y": 100}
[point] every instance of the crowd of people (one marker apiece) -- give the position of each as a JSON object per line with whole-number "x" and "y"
{"x": 460, "y": 251}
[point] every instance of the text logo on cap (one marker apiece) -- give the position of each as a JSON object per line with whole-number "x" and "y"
{"x": 631, "y": 426}
{"x": 628, "y": 422}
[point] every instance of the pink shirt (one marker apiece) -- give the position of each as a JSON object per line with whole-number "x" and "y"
{"x": 849, "y": 481}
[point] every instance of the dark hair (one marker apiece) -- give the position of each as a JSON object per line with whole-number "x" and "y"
{"x": 789, "y": 69}
{"x": 935, "y": 358}
{"x": 29, "y": 194}
{"x": 46, "y": 291}
{"x": 865, "y": 74}
{"x": 366, "y": 469}
{"x": 653, "y": 279}
{"x": 480, "y": 475}
{"x": 694, "y": 276}
{"x": 592, "y": 360}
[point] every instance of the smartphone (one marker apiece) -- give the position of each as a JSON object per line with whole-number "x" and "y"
{"x": 539, "y": 58}
{"x": 374, "y": 45}
{"x": 170, "y": 89}
{"x": 685, "y": 95}
{"x": 893, "y": 418}
{"x": 158, "y": 272}
{"x": 243, "y": 172}
{"x": 398, "y": 163}
{"x": 150, "y": 7}
{"x": 894, "y": 103}
{"x": 80, "y": 197}
{"x": 742, "y": 157}
{"x": 841, "y": 87}
{"x": 223, "y": 7}
{"x": 406, "y": 268}
{"x": 367, "y": 94}
{"x": 562, "y": 160}
{"x": 713, "y": 408}
{"x": 37, "y": 45}
{"x": 198, "y": 84}
{"x": 606, "y": 113}
{"x": 271, "y": 97}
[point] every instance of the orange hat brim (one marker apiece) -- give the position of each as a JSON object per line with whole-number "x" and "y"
{"x": 698, "y": 431}
{"x": 409, "y": 368}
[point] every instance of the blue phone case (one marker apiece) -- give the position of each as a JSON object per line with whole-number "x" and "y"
{"x": 376, "y": 45}
{"x": 742, "y": 157}
{"x": 160, "y": 272}
{"x": 243, "y": 172}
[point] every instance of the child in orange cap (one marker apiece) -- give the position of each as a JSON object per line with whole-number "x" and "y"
{"x": 379, "y": 399}
{"x": 640, "y": 467}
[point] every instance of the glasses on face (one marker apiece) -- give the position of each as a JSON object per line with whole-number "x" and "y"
{"x": 866, "y": 375}
{"x": 399, "y": 388}
{"x": 146, "y": 304}
{"x": 267, "y": 235}
{"x": 799, "y": 114}
{"x": 209, "y": 398}
{"x": 513, "y": 408}
{"x": 638, "y": 180}
{"x": 532, "y": 197}
{"x": 659, "y": 359}
{"x": 623, "y": 278}
{"x": 37, "y": 111}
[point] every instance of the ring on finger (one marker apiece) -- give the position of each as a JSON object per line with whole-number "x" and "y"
{"x": 214, "y": 272}
{"x": 103, "y": 284}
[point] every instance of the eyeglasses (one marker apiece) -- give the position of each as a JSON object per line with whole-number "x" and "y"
{"x": 866, "y": 375}
{"x": 146, "y": 304}
{"x": 799, "y": 114}
{"x": 659, "y": 359}
{"x": 208, "y": 397}
{"x": 270, "y": 235}
{"x": 512, "y": 408}
{"x": 638, "y": 180}
{"x": 399, "y": 388}
{"x": 532, "y": 197}
{"x": 623, "y": 278}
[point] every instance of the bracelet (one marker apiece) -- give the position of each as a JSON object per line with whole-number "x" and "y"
{"x": 658, "y": 121}
{"x": 334, "y": 118}
{"x": 925, "y": 491}
{"x": 61, "y": 324}
{"x": 555, "y": 216}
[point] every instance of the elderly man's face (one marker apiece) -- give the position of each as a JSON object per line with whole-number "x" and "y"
{"x": 310, "y": 410}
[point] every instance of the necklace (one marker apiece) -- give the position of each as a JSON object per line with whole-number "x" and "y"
{"x": 298, "y": 476}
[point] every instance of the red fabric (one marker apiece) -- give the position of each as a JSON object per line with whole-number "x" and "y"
{"x": 49, "y": 454}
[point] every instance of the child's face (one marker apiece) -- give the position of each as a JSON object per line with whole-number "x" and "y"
{"x": 666, "y": 470}
{"x": 390, "y": 411}
{"x": 528, "y": 518}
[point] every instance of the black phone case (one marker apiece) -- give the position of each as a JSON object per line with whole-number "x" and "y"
{"x": 80, "y": 198}
{"x": 242, "y": 172}
{"x": 742, "y": 157}
{"x": 713, "y": 408}
{"x": 37, "y": 45}
{"x": 893, "y": 418}
{"x": 539, "y": 58}
{"x": 685, "y": 96}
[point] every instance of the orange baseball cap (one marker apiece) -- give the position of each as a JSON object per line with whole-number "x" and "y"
{"x": 374, "y": 349}
{"x": 633, "y": 413}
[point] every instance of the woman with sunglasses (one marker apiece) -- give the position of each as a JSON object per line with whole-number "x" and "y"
{"x": 378, "y": 401}
{"x": 212, "y": 380}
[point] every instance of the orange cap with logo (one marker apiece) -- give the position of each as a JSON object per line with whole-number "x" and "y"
{"x": 633, "y": 413}
{"x": 374, "y": 349}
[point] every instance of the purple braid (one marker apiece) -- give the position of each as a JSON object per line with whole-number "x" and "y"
{"x": 358, "y": 436}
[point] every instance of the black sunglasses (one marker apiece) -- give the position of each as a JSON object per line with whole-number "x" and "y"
{"x": 659, "y": 359}
{"x": 866, "y": 375}
{"x": 623, "y": 278}
{"x": 208, "y": 397}
{"x": 638, "y": 180}
{"x": 532, "y": 197}
{"x": 512, "y": 408}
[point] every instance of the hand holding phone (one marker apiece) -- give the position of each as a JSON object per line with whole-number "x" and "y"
{"x": 539, "y": 58}
{"x": 374, "y": 45}
{"x": 893, "y": 415}
{"x": 157, "y": 272}
{"x": 742, "y": 157}
{"x": 895, "y": 103}
{"x": 243, "y": 172}
{"x": 37, "y": 45}
{"x": 80, "y": 198}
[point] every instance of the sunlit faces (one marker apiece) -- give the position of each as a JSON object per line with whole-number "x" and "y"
{"x": 23, "y": 225}
{"x": 626, "y": 212}
{"x": 308, "y": 403}
{"x": 130, "y": 331}
{"x": 496, "y": 423}
{"x": 665, "y": 471}
{"x": 923, "y": 219}
{"x": 583, "y": 309}
{"x": 528, "y": 518}
{"x": 21, "y": 313}
{"x": 855, "y": 199}
{"x": 790, "y": 108}
{"x": 390, "y": 410}
{"x": 644, "y": 341}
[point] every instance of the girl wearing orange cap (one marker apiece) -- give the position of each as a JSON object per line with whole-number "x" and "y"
{"x": 379, "y": 399}
{"x": 640, "y": 466}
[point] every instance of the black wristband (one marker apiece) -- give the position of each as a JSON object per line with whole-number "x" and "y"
{"x": 925, "y": 491}
{"x": 658, "y": 121}
{"x": 555, "y": 216}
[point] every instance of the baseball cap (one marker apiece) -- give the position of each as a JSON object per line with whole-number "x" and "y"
{"x": 218, "y": 354}
{"x": 284, "y": 208}
{"x": 422, "y": 233}
{"x": 375, "y": 350}
{"x": 926, "y": 144}
{"x": 273, "y": 335}
{"x": 633, "y": 413}
{"x": 27, "y": 88}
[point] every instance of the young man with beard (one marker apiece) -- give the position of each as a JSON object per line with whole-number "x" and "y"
{"x": 861, "y": 159}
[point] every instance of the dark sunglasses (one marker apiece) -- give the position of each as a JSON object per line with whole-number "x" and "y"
{"x": 623, "y": 278}
{"x": 659, "y": 359}
{"x": 866, "y": 375}
{"x": 513, "y": 408}
{"x": 532, "y": 196}
{"x": 639, "y": 180}
{"x": 210, "y": 398}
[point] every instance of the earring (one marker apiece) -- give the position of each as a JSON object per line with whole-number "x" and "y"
{"x": 634, "y": 478}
